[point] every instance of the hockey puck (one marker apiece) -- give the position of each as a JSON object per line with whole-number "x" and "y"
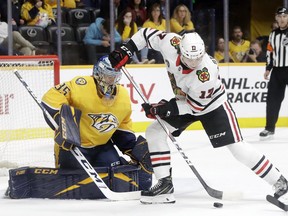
{"x": 217, "y": 205}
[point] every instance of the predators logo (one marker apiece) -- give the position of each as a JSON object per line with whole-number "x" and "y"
{"x": 203, "y": 75}
{"x": 175, "y": 41}
{"x": 104, "y": 122}
{"x": 81, "y": 81}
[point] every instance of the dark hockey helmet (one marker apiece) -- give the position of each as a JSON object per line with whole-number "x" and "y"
{"x": 106, "y": 76}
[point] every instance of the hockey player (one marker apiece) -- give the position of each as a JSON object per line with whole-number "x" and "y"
{"x": 99, "y": 110}
{"x": 199, "y": 96}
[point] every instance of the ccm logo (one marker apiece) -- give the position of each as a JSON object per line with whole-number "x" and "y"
{"x": 217, "y": 135}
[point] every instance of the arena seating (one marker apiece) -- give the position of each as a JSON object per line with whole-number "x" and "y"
{"x": 36, "y": 35}
{"x": 70, "y": 54}
{"x": 73, "y": 27}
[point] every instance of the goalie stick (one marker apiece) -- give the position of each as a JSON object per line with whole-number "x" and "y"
{"x": 81, "y": 158}
{"x": 212, "y": 192}
{"x": 277, "y": 203}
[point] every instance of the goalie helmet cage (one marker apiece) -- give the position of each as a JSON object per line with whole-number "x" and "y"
{"x": 25, "y": 138}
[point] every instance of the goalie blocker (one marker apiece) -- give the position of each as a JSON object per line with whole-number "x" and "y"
{"x": 52, "y": 183}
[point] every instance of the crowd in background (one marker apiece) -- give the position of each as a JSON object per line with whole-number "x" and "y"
{"x": 94, "y": 35}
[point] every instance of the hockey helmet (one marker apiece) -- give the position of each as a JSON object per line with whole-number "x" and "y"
{"x": 192, "y": 49}
{"x": 106, "y": 76}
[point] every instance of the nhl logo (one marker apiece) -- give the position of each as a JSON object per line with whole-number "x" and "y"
{"x": 285, "y": 41}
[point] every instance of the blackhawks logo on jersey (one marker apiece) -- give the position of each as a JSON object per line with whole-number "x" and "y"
{"x": 203, "y": 75}
{"x": 175, "y": 41}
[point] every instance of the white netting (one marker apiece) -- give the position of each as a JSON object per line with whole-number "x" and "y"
{"x": 25, "y": 138}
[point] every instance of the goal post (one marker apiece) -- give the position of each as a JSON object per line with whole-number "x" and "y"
{"x": 25, "y": 138}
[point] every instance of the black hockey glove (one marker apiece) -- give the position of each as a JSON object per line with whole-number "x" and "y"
{"x": 120, "y": 56}
{"x": 67, "y": 135}
{"x": 140, "y": 155}
{"x": 162, "y": 109}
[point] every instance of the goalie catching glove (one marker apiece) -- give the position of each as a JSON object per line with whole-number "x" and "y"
{"x": 67, "y": 135}
{"x": 119, "y": 57}
{"x": 162, "y": 109}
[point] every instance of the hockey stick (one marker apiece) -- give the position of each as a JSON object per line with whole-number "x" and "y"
{"x": 81, "y": 158}
{"x": 212, "y": 192}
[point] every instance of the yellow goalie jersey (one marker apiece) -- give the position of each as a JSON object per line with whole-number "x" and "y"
{"x": 98, "y": 122}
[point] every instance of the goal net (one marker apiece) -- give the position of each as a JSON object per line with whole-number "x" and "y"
{"x": 25, "y": 138}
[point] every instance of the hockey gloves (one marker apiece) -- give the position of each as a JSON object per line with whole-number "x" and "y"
{"x": 162, "y": 109}
{"x": 67, "y": 135}
{"x": 119, "y": 57}
{"x": 140, "y": 156}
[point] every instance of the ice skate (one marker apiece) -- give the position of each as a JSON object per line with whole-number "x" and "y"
{"x": 281, "y": 188}
{"x": 280, "y": 198}
{"x": 265, "y": 135}
{"x": 162, "y": 192}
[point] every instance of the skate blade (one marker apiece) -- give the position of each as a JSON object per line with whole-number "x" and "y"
{"x": 160, "y": 199}
{"x": 270, "y": 137}
{"x": 277, "y": 202}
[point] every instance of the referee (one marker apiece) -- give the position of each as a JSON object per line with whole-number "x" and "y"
{"x": 277, "y": 65}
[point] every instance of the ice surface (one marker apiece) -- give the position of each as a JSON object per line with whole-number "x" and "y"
{"x": 217, "y": 166}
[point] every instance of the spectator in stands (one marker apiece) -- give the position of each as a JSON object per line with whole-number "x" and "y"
{"x": 138, "y": 8}
{"x": 162, "y": 3}
{"x": 16, "y": 12}
{"x": 175, "y": 3}
{"x": 37, "y": 12}
{"x": 20, "y": 44}
{"x": 220, "y": 53}
{"x": 180, "y": 22}
{"x": 126, "y": 27}
{"x": 97, "y": 39}
{"x": 237, "y": 45}
{"x": 255, "y": 53}
{"x": 155, "y": 20}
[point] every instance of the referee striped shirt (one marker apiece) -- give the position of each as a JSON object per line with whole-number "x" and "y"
{"x": 277, "y": 49}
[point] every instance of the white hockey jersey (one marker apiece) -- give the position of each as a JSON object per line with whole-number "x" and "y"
{"x": 202, "y": 86}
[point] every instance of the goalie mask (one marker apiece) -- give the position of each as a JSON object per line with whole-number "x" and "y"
{"x": 107, "y": 78}
{"x": 192, "y": 50}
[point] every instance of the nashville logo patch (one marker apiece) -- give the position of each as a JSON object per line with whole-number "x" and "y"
{"x": 203, "y": 75}
{"x": 81, "y": 81}
{"x": 104, "y": 122}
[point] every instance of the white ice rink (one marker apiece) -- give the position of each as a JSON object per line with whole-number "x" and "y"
{"x": 217, "y": 166}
